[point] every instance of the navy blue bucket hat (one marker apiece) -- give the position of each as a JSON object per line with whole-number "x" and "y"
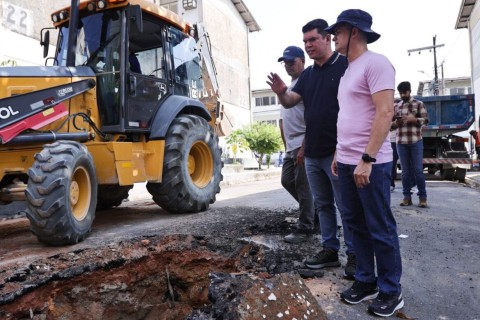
{"x": 359, "y": 19}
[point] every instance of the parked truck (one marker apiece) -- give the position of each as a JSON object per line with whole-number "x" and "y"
{"x": 443, "y": 148}
{"x": 129, "y": 96}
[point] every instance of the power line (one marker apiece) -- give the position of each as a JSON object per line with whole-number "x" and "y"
{"x": 434, "y": 47}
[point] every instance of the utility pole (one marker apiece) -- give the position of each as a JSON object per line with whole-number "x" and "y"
{"x": 443, "y": 78}
{"x": 429, "y": 48}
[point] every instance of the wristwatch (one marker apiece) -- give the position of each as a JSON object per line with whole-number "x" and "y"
{"x": 366, "y": 158}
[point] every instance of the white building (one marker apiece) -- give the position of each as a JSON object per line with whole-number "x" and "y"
{"x": 447, "y": 86}
{"x": 469, "y": 17}
{"x": 265, "y": 107}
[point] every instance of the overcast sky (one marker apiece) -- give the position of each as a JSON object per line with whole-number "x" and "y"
{"x": 403, "y": 25}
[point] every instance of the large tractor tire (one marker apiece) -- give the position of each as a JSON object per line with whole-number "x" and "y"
{"x": 111, "y": 195}
{"x": 192, "y": 167}
{"x": 62, "y": 193}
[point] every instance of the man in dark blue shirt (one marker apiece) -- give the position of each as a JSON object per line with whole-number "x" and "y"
{"x": 317, "y": 86}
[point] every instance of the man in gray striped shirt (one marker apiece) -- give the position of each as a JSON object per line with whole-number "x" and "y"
{"x": 292, "y": 127}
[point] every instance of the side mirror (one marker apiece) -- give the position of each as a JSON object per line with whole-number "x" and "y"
{"x": 45, "y": 41}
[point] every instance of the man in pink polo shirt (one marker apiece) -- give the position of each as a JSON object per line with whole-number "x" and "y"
{"x": 363, "y": 162}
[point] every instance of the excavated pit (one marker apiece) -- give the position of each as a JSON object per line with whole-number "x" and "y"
{"x": 180, "y": 276}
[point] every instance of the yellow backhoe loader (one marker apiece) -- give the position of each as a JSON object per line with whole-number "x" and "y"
{"x": 129, "y": 96}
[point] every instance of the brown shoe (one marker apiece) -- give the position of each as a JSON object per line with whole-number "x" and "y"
{"x": 406, "y": 202}
{"x": 423, "y": 203}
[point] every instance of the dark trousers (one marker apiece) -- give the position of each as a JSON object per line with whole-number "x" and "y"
{"x": 373, "y": 227}
{"x": 394, "y": 164}
{"x": 294, "y": 180}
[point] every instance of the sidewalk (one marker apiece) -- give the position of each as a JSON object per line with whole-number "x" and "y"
{"x": 231, "y": 176}
{"x": 473, "y": 179}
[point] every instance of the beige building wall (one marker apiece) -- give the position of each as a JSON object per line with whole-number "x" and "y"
{"x": 474, "y": 30}
{"x": 22, "y": 21}
{"x": 229, "y": 38}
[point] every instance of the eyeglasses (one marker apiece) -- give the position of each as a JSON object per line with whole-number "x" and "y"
{"x": 287, "y": 63}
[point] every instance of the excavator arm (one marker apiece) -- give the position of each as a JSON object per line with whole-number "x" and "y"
{"x": 37, "y": 109}
{"x": 210, "y": 95}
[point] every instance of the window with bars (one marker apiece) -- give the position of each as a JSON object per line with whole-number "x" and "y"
{"x": 455, "y": 91}
{"x": 272, "y": 122}
{"x": 169, "y": 4}
{"x": 266, "y": 101}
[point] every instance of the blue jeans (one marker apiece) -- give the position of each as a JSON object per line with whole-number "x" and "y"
{"x": 411, "y": 160}
{"x": 394, "y": 163}
{"x": 325, "y": 192}
{"x": 294, "y": 180}
{"x": 373, "y": 226}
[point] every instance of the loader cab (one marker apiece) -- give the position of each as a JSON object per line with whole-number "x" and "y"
{"x": 136, "y": 68}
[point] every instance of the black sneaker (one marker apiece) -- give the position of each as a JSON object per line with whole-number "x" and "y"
{"x": 298, "y": 236}
{"x": 385, "y": 305}
{"x": 325, "y": 258}
{"x": 350, "y": 267}
{"x": 359, "y": 292}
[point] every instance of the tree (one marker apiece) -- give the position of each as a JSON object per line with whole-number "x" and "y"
{"x": 237, "y": 143}
{"x": 263, "y": 139}
{"x": 8, "y": 63}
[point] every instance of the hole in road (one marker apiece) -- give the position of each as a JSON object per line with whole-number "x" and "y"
{"x": 165, "y": 278}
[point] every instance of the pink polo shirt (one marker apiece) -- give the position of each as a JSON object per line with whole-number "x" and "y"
{"x": 366, "y": 75}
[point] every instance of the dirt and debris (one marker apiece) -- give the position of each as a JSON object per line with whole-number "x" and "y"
{"x": 240, "y": 237}
{"x": 171, "y": 276}
{"x": 248, "y": 296}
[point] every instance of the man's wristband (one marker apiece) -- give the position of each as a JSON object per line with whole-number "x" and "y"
{"x": 367, "y": 158}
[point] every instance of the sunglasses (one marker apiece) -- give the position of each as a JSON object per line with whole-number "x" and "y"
{"x": 287, "y": 63}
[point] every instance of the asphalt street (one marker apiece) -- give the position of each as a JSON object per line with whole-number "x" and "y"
{"x": 441, "y": 277}
{"x": 439, "y": 244}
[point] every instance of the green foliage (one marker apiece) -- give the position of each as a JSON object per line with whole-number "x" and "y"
{"x": 8, "y": 63}
{"x": 237, "y": 143}
{"x": 263, "y": 139}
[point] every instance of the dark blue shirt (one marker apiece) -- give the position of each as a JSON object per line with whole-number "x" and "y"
{"x": 318, "y": 86}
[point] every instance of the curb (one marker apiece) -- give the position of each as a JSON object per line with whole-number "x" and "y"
{"x": 472, "y": 183}
{"x": 139, "y": 190}
{"x": 249, "y": 175}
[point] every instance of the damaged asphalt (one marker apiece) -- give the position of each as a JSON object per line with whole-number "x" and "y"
{"x": 438, "y": 244}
